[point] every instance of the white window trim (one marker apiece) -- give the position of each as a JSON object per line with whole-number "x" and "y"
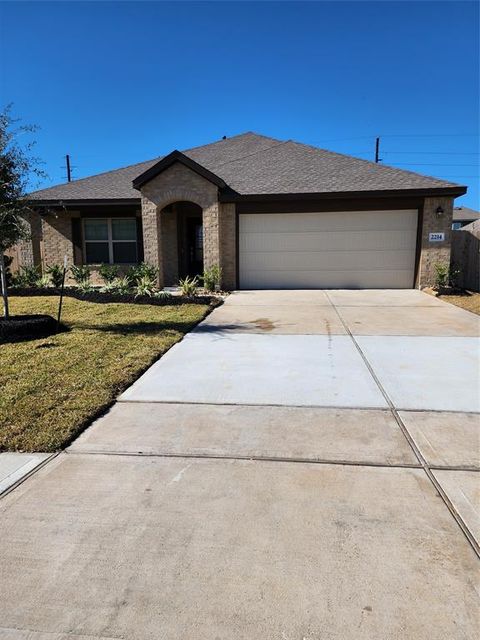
{"x": 109, "y": 240}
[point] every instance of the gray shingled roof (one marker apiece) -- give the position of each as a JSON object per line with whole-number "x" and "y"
{"x": 464, "y": 213}
{"x": 253, "y": 164}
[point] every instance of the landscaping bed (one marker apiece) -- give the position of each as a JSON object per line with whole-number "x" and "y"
{"x": 97, "y": 295}
{"x": 468, "y": 300}
{"x": 52, "y": 388}
{"x": 26, "y": 326}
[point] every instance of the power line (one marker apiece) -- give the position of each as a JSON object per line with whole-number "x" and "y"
{"x": 435, "y": 164}
{"x": 453, "y": 153}
{"x": 403, "y": 135}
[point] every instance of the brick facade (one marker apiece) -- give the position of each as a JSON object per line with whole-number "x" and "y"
{"x": 28, "y": 252}
{"x": 434, "y": 252}
{"x": 180, "y": 184}
{"x": 52, "y": 235}
{"x": 57, "y": 239}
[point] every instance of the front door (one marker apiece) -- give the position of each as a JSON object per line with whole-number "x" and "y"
{"x": 194, "y": 238}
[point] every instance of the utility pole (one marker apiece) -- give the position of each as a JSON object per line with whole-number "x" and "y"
{"x": 69, "y": 171}
{"x": 377, "y": 149}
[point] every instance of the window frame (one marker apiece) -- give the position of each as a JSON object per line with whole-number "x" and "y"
{"x": 110, "y": 241}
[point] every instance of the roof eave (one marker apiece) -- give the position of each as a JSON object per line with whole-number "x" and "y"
{"x": 167, "y": 161}
{"x": 78, "y": 202}
{"x": 231, "y": 196}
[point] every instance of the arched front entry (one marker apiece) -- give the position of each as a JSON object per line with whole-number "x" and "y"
{"x": 182, "y": 241}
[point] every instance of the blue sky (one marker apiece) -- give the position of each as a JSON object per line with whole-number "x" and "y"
{"x": 117, "y": 83}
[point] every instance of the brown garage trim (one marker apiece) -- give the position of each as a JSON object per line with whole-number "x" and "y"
{"x": 302, "y": 206}
{"x": 307, "y": 206}
{"x": 418, "y": 249}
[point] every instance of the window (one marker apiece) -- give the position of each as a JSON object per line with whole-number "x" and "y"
{"x": 110, "y": 240}
{"x": 456, "y": 226}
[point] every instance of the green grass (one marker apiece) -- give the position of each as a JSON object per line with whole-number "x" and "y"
{"x": 51, "y": 388}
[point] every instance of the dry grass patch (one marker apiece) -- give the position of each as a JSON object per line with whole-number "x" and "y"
{"x": 51, "y": 388}
{"x": 468, "y": 300}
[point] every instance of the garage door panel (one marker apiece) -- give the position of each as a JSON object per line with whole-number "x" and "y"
{"x": 397, "y": 279}
{"x": 328, "y": 221}
{"x": 326, "y": 241}
{"x": 367, "y": 249}
{"x": 326, "y": 261}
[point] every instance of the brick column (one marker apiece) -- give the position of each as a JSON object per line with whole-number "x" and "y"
{"x": 211, "y": 237}
{"x": 228, "y": 245}
{"x": 151, "y": 237}
{"x": 433, "y": 252}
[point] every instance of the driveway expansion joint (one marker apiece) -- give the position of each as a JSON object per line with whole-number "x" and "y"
{"x": 253, "y": 458}
{"x": 28, "y": 475}
{"x": 423, "y": 462}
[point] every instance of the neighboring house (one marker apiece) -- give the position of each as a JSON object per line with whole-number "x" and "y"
{"x": 463, "y": 216}
{"x": 271, "y": 213}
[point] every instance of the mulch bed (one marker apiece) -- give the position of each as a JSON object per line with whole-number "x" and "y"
{"x": 27, "y": 326}
{"x": 100, "y": 297}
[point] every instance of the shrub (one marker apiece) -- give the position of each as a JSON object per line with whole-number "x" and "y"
{"x": 188, "y": 286}
{"x": 55, "y": 271}
{"x": 85, "y": 286}
{"x": 108, "y": 273}
{"x": 29, "y": 277}
{"x": 445, "y": 276}
{"x": 121, "y": 286}
{"x": 454, "y": 279}
{"x": 145, "y": 286}
{"x": 141, "y": 270}
{"x": 81, "y": 274}
{"x": 212, "y": 277}
{"x": 43, "y": 282}
{"x": 162, "y": 295}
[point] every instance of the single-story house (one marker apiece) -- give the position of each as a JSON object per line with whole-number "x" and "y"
{"x": 270, "y": 213}
{"x": 463, "y": 216}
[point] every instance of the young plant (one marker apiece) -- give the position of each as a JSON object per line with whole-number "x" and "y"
{"x": 162, "y": 295}
{"x": 108, "y": 273}
{"x": 55, "y": 273}
{"x": 17, "y": 166}
{"x": 145, "y": 286}
{"x": 189, "y": 286}
{"x": 121, "y": 286}
{"x": 442, "y": 275}
{"x": 43, "y": 282}
{"x": 212, "y": 277}
{"x": 81, "y": 274}
{"x": 142, "y": 270}
{"x": 84, "y": 286}
{"x": 30, "y": 276}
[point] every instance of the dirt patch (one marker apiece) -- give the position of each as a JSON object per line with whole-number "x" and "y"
{"x": 468, "y": 300}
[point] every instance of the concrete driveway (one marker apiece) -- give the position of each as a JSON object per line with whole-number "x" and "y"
{"x": 303, "y": 465}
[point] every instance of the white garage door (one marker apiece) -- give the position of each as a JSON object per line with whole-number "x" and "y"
{"x": 352, "y": 249}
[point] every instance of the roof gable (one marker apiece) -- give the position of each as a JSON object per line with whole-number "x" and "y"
{"x": 167, "y": 161}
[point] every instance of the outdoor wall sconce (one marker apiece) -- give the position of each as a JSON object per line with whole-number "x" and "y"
{"x": 439, "y": 211}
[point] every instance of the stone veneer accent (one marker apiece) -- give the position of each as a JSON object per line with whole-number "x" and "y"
{"x": 433, "y": 252}
{"x": 176, "y": 184}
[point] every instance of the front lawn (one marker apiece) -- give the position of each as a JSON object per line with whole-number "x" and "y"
{"x": 51, "y": 388}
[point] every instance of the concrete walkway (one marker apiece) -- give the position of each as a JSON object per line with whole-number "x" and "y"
{"x": 303, "y": 465}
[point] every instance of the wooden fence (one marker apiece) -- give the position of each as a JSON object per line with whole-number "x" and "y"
{"x": 465, "y": 255}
